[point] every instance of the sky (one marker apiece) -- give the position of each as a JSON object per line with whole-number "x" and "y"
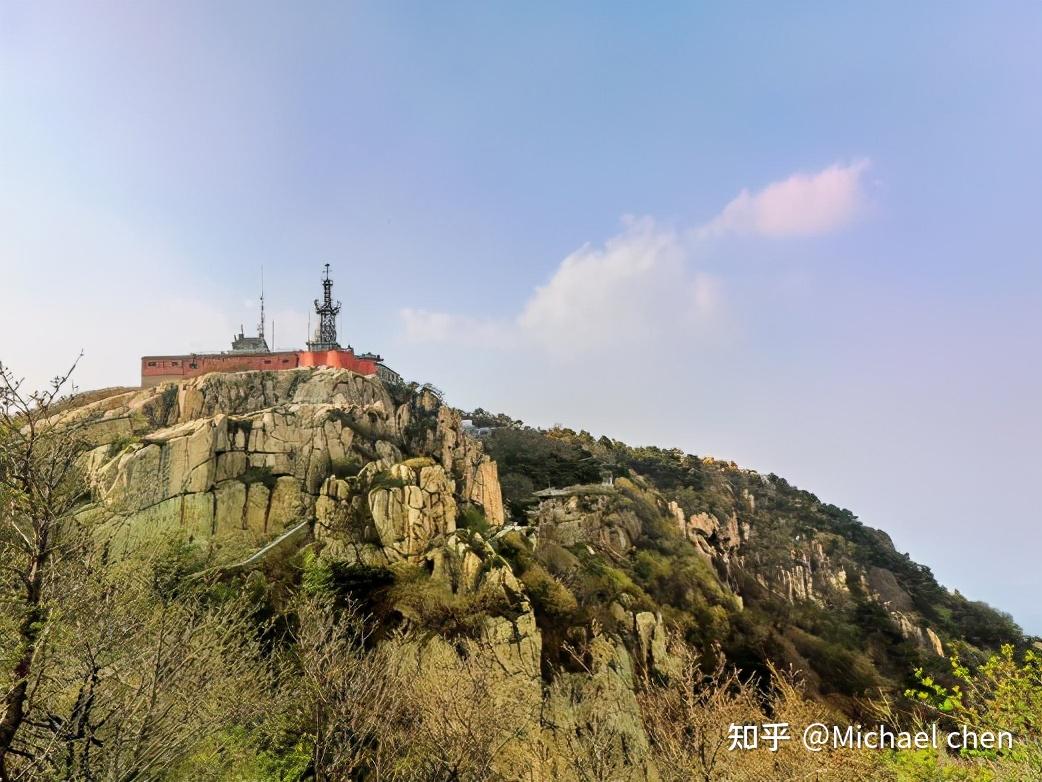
{"x": 802, "y": 236}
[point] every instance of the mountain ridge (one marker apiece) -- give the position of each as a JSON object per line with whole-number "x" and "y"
{"x": 380, "y": 497}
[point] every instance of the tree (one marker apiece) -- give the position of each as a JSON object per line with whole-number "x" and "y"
{"x": 1004, "y": 693}
{"x": 40, "y": 484}
{"x": 688, "y": 721}
{"x": 412, "y": 707}
{"x": 136, "y": 675}
{"x": 348, "y": 694}
{"x": 111, "y": 670}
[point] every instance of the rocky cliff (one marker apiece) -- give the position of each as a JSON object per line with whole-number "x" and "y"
{"x": 235, "y": 459}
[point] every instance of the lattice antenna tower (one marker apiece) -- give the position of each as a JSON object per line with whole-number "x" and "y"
{"x": 327, "y": 311}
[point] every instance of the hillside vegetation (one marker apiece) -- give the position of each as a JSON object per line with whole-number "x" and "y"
{"x": 311, "y": 574}
{"x": 819, "y": 590}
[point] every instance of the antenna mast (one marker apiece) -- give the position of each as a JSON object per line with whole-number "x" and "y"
{"x": 260, "y": 326}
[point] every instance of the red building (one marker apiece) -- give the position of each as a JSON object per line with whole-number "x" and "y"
{"x": 252, "y": 353}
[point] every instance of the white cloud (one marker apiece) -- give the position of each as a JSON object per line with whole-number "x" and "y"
{"x": 616, "y": 296}
{"x": 619, "y": 295}
{"x": 639, "y": 286}
{"x": 802, "y": 205}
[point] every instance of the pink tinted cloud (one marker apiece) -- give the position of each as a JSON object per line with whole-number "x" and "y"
{"x": 802, "y": 205}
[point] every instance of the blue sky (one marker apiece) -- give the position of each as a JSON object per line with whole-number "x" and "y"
{"x": 803, "y": 236}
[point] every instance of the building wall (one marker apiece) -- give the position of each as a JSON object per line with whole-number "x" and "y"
{"x": 162, "y": 369}
{"x": 340, "y": 359}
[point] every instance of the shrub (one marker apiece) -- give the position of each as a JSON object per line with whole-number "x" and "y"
{"x": 316, "y": 574}
{"x": 543, "y": 460}
{"x": 669, "y": 469}
{"x": 557, "y": 559}
{"x": 384, "y": 480}
{"x": 598, "y": 583}
{"x": 841, "y": 669}
{"x": 653, "y": 524}
{"x": 515, "y": 549}
{"x": 517, "y": 493}
{"x": 1003, "y": 694}
{"x": 351, "y": 583}
{"x": 259, "y": 474}
{"x": 121, "y": 444}
{"x": 432, "y": 605}
{"x": 347, "y": 467}
{"x": 688, "y": 719}
{"x": 472, "y": 518}
{"x": 178, "y": 559}
{"x": 548, "y": 595}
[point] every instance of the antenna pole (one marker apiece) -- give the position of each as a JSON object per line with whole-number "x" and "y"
{"x": 260, "y": 327}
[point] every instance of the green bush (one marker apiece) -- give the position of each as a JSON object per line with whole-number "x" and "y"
{"x": 558, "y": 560}
{"x": 669, "y": 469}
{"x": 384, "y": 480}
{"x": 266, "y": 753}
{"x": 545, "y": 461}
{"x": 517, "y": 494}
{"x": 432, "y": 605}
{"x": 549, "y": 596}
{"x": 1002, "y": 694}
{"x": 347, "y": 467}
{"x": 472, "y": 518}
{"x": 178, "y": 559}
{"x": 121, "y": 443}
{"x": 654, "y": 526}
{"x": 599, "y": 583}
{"x": 259, "y": 474}
{"x": 348, "y": 582}
{"x": 841, "y": 670}
{"x": 515, "y": 549}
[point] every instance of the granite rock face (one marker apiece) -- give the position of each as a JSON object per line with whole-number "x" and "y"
{"x": 592, "y": 515}
{"x": 241, "y": 457}
{"x": 707, "y": 531}
{"x": 417, "y": 508}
